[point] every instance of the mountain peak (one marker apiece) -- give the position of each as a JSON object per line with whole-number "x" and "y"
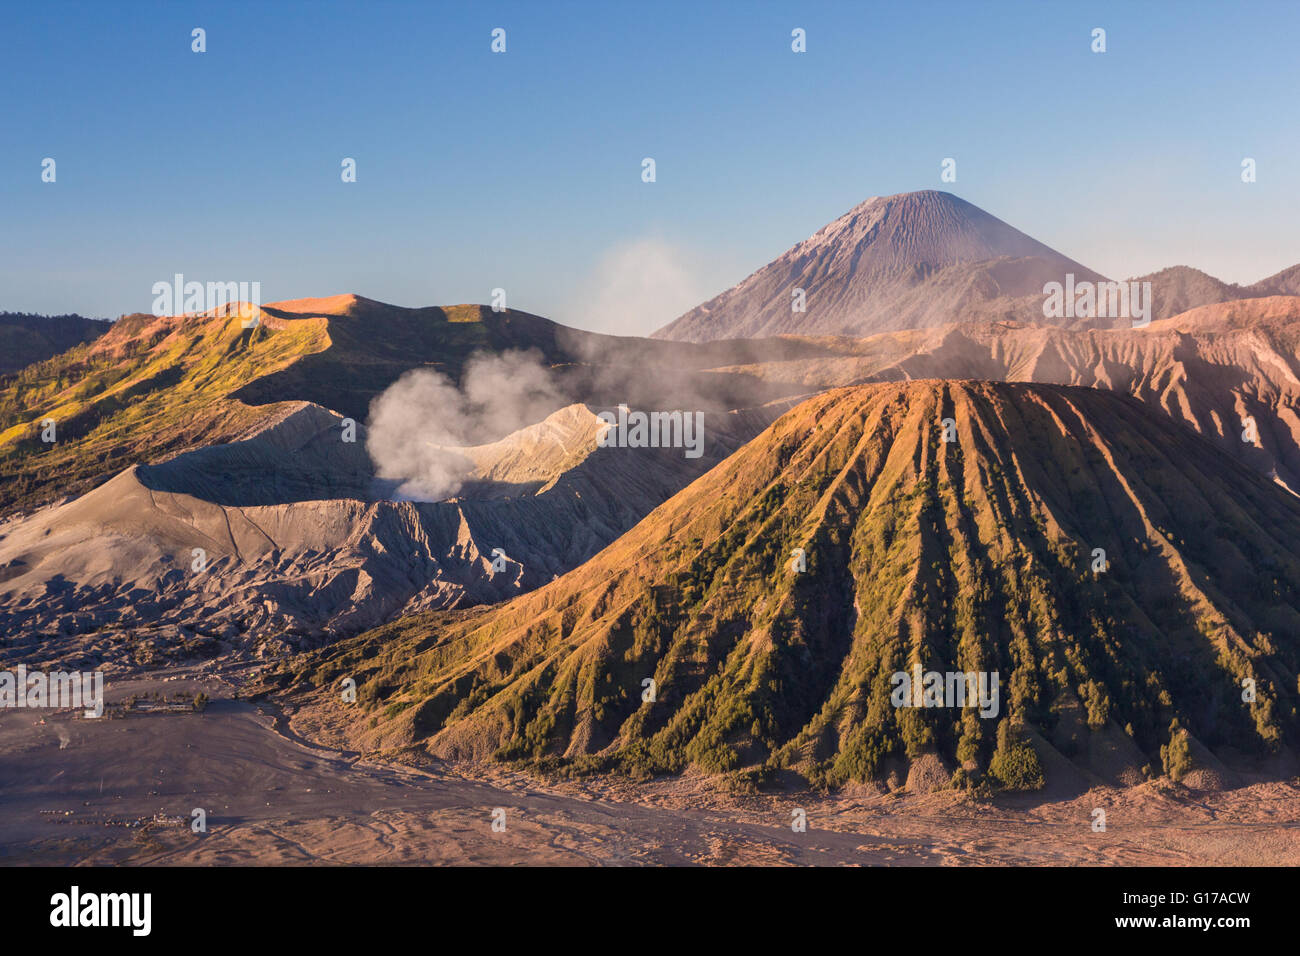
{"x": 886, "y": 234}
{"x": 911, "y": 260}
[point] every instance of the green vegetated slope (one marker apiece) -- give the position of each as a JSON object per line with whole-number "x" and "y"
{"x": 972, "y": 555}
{"x": 147, "y": 389}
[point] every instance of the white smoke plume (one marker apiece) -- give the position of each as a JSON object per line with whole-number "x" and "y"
{"x": 419, "y": 422}
{"x": 636, "y": 287}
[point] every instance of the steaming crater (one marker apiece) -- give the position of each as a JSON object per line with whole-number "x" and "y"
{"x": 304, "y": 457}
{"x": 525, "y": 462}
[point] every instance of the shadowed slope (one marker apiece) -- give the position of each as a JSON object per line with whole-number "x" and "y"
{"x": 1181, "y": 288}
{"x": 26, "y": 339}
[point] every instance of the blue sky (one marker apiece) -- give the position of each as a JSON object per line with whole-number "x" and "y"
{"x": 522, "y": 170}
